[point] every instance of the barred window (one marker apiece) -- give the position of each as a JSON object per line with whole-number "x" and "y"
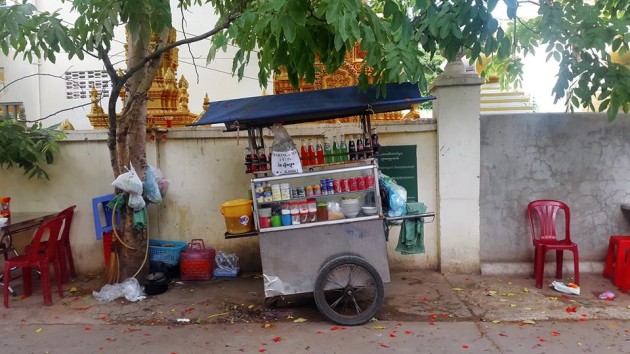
{"x": 79, "y": 83}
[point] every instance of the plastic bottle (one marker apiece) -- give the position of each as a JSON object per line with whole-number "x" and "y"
{"x": 352, "y": 150}
{"x": 262, "y": 158}
{"x": 319, "y": 152}
{"x": 375, "y": 143}
{"x": 359, "y": 148}
{"x": 328, "y": 158}
{"x": 343, "y": 149}
{"x": 311, "y": 153}
{"x": 336, "y": 152}
{"x": 304, "y": 153}
{"x": 248, "y": 160}
{"x": 367, "y": 147}
{"x": 255, "y": 161}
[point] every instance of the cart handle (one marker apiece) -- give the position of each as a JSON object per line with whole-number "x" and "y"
{"x": 413, "y": 216}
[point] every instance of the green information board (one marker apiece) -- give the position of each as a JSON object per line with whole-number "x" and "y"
{"x": 400, "y": 163}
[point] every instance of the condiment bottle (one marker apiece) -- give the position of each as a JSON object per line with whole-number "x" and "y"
{"x": 322, "y": 211}
{"x": 5, "y": 207}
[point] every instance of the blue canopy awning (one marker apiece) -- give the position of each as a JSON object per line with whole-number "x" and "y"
{"x": 301, "y": 107}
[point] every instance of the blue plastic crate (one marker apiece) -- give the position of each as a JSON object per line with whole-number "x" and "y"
{"x": 220, "y": 273}
{"x": 165, "y": 251}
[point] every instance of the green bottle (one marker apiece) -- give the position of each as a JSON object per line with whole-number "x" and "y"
{"x": 328, "y": 158}
{"x": 343, "y": 149}
{"x": 336, "y": 150}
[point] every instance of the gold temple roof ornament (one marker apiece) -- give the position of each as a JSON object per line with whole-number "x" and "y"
{"x": 346, "y": 75}
{"x": 167, "y": 98}
{"x": 66, "y": 125}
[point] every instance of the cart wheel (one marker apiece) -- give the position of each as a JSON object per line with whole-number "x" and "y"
{"x": 349, "y": 291}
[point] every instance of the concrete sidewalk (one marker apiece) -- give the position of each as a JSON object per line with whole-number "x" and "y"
{"x": 413, "y": 296}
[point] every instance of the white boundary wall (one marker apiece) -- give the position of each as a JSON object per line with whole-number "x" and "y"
{"x": 205, "y": 166}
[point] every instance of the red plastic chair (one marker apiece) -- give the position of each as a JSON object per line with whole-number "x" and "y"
{"x": 40, "y": 260}
{"x": 64, "y": 251}
{"x": 542, "y": 219}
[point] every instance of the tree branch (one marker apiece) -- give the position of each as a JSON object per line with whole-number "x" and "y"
{"x": 111, "y": 109}
{"x": 189, "y": 49}
{"x": 36, "y": 74}
{"x": 159, "y": 51}
{"x": 68, "y": 109}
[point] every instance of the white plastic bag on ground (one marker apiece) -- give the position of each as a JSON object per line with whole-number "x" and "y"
{"x": 130, "y": 289}
{"x": 567, "y": 288}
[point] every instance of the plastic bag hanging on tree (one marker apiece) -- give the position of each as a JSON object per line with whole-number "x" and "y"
{"x": 151, "y": 188}
{"x": 129, "y": 182}
{"x": 285, "y": 158}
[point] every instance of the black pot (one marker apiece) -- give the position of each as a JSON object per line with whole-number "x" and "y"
{"x": 156, "y": 283}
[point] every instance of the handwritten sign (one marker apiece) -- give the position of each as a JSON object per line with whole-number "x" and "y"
{"x": 285, "y": 162}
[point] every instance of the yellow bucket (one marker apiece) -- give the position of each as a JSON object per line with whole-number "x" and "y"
{"x": 238, "y": 215}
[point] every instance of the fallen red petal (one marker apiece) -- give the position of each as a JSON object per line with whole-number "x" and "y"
{"x": 87, "y": 328}
{"x": 392, "y": 335}
{"x": 541, "y": 340}
{"x": 384, "y": 346}
{"x": 408, "y": 332}
{"x": 465, "y": 346}
{"x": 262, "y": 350}
{"x": 424, "y": 299}
{"x": 555, "y": 334}
{"x": 334, "y": 328}
{"x": 277, "y": 339}
{"x": 571, "y": 309}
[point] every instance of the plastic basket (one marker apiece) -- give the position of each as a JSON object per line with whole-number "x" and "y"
{"x": 165, "y": 251}
{"x": 196, "y": 261}
{"x": 223, "y": 273}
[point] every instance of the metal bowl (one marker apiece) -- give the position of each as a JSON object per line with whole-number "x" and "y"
{"x": 369, "y": 210}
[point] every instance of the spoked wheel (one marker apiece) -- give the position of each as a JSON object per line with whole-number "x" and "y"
{"x": 349, "y": 291}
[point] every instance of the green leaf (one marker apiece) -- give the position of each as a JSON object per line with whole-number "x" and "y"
{"x": 288, "y": 28}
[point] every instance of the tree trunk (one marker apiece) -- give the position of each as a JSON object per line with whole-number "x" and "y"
{"x": 131, "y": 146}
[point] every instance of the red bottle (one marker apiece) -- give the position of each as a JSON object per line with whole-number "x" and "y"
{"x": 319, "y": 153}
{"x": 263, "y": 160}
{"x": 255, "y": 162}
{"x": 304, "y": 154}
{"x": 311, "y": 153}
{"x": 248, "y": 160}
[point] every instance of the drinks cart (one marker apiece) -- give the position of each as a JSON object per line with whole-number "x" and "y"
{"x": 322, "y": 230}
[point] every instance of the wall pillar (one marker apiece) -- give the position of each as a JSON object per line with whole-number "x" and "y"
{"x": 457, "y": 110}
